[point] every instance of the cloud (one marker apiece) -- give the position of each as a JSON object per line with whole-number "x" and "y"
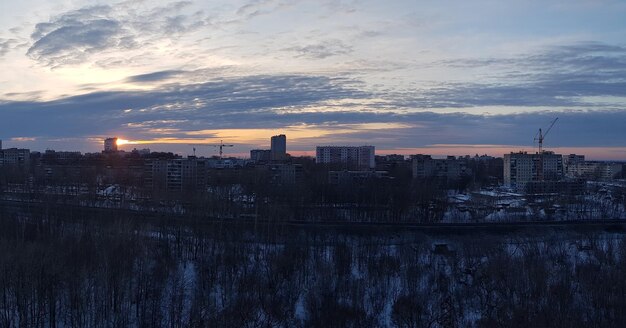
{"x": 557, "y": 76}
{"x": 6, "y": 45}
{"x": 261, "y": 7}
{"x": 22, "y": 139}
{"x": 275, "y": 102}
{"x": 574, "y": 129}
{"x": 154, "y": 77}
{"x": 349, "y": 6}
{"x": 184, "y": 76}
{"x": 31, "y": 95}
{"x": 251, "y": 101}
{"x": 74, "y": 36}
{"x": 72, "y": 44}
{"x": 195, "y": 103}
{"x": 321, "y": 50}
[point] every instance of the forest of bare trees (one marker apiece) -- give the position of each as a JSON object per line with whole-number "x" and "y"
{"x": 111, "y": 271}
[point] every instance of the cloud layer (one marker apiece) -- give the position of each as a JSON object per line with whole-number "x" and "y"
{"x": 73, "y": 37}
{"x": 567, "y": 75}
{"x": 343, "y": 112}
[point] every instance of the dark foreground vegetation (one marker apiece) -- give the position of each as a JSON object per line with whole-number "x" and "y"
{"x": 111, "y": 271}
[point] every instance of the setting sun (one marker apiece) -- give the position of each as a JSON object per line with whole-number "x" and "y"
{"x": 121, "y": 142}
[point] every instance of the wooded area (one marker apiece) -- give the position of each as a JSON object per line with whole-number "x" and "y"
{"x": 111, "y": 271}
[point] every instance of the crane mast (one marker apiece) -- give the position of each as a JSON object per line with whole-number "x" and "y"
{"x": 539, "y": 138}
{"x": 540, "y": 135}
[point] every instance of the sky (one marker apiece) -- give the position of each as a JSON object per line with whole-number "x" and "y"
{"x": 432, "y": 77}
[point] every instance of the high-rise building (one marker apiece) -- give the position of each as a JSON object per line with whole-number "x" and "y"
{"x": 362, "y": 157}
{"x": 278, "y": 151}
{"x": 521, "y": 168}
{"x": 110, "y": 145}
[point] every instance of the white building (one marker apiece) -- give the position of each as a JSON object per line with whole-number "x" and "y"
{"x": 521, "y": 168}
{"x": 362, "y": 157}
{"x": 577, "y": 167}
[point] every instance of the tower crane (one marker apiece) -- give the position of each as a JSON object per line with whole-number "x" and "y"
{"x": 539, "y": 138}
{"x": 540, "y": 135}
{"x": 221, "y": 146}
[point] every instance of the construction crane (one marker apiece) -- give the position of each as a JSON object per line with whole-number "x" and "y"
{"x": 540, "y": 135}
{"x": 539, "y": 138}
{"x": 221, "y": 146}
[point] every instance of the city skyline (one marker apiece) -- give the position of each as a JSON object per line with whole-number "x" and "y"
{"x": 409, "y": 77}
{"x": 123, "y": 145}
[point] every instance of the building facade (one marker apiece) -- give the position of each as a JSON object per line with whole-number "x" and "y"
{"x": 278, "y": 151}
{"x": 260, "y": 155}
{"x": 110, "y": 145}
{"x": 450, "y": 168}
{"x": 286, "y": 174}
{"x": 15, "y": 156}
{"x": 362, "y": 157}
{"x": 180, "y": 174}
{"x": 572, "y": 160}
{"x": 521, "y": 168}
{"x": 594, "y": 170}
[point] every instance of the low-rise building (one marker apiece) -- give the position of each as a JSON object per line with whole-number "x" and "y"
{"x": 577, "y": 167}
{"x": 595, "y": 170}
{"x": 569, "y": 187}
{"x": 52, "y": 156}
{"x": 451, "y": 168}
